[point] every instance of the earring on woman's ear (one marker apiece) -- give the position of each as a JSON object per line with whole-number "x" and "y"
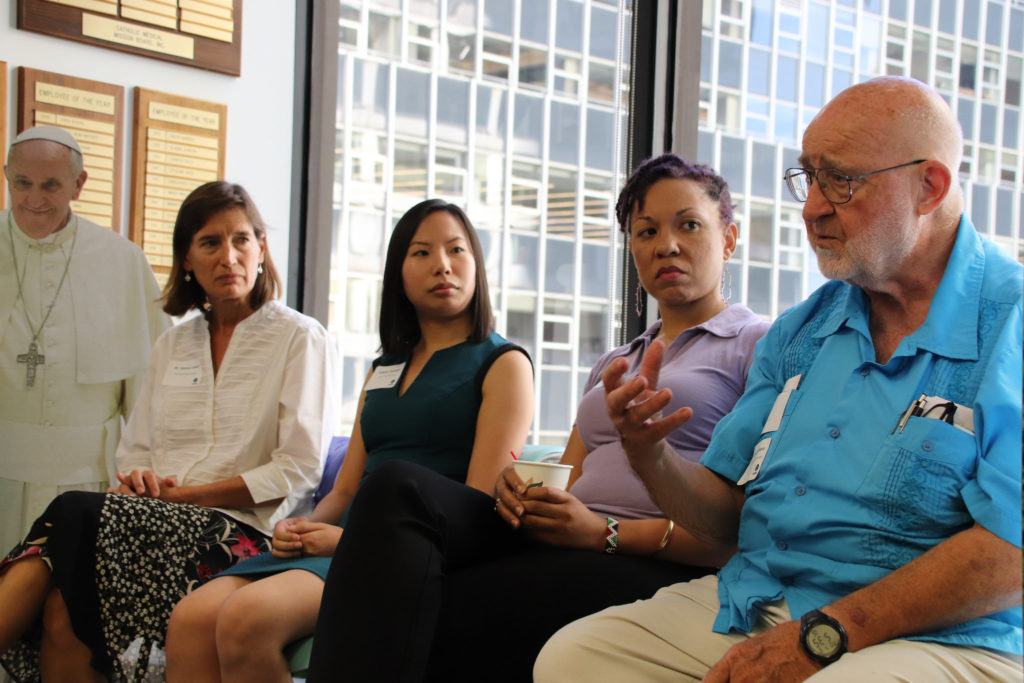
{"x": 259, "y": 269}
{"x": 188, "y": 276}
{"x": 726, "y": 284}
{"x": 639, "y": 299}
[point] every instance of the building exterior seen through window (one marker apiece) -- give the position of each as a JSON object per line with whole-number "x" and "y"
{"x": 515, "y": 111}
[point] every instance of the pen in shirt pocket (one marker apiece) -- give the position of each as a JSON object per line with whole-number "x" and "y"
{"x": 913, "y": 410}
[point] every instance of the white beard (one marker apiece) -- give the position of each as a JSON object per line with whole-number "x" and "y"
{"x": 872, "y": 257}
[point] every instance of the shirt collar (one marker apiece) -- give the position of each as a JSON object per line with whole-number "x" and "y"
{"x": 55, "y": 239}
{"x": 728, "y": 322}
{"x": 848, "y": 308}
{"x": 951, "y": 328}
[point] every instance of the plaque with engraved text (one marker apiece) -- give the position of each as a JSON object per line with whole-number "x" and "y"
{"x": 178, "y": 145}
{"x": 201, "y": 33}
{"x": 93, "y": 113}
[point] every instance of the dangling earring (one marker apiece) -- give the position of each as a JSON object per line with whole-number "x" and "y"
{"x": 259, "y": 269}
{"x": 726, "y": 284}
{"x": 188, "y": 276}
{"x": 639, "y": 299}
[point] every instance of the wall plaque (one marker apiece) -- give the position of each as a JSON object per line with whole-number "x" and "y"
{"x": 94, "y": 113}
{"x": 201, "y": 33}
{"x": 179, "y": 144}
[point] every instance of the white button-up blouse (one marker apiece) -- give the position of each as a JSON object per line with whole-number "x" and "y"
{"x": 267, "y": 416}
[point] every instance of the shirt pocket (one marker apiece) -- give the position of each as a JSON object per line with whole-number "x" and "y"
{"x": 912, "y": 489}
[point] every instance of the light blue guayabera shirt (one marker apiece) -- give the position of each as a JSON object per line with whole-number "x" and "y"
{"x": 844, "y": 497}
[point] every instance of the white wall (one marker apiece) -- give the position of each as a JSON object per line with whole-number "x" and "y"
{"x": 259, "y": 144}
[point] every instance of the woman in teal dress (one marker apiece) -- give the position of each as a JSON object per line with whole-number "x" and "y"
{"x": 445, "y": 394}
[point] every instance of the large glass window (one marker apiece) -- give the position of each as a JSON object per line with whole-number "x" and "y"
{"x": 514, "y": 109}
{"x": 510, "y": 109}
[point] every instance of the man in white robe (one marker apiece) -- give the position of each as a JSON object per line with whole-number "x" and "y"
{"x": 79, "y": 312}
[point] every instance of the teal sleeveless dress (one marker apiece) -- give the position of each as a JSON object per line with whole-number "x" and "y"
{"x": 432, "y": 424}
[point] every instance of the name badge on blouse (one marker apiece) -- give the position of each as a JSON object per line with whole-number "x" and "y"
{"x": 385, "y": 376}
{"x": 184, "y": 374}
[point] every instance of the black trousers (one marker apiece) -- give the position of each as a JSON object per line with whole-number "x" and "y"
{"x": 428, "y": 583}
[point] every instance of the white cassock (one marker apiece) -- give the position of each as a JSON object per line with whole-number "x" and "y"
{"x": 61, "y": 433}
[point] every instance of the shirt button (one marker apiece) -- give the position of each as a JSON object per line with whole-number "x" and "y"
{"x": 799, "y": 490}
{"x": 781, "y": 545}
{"x": 865, "y": 371}
{"x": 834, "y": 432}
{"x": 927, "y": 446}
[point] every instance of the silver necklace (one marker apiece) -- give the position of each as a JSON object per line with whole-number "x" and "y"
{"x": 33, "y": 357}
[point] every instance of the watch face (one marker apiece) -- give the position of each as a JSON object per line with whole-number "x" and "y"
{"x": 823, "y": 640}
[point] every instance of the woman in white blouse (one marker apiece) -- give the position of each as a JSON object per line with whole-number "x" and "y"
{"x": 226, "y": 439}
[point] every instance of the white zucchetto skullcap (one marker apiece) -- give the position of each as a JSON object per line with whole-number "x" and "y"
{"x": 51, "y": 133}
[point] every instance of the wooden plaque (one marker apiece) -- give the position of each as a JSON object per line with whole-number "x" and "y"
{"x": 3, "y": 132}
{"x": 203, "y": 33}
{"x": 179, "y": 144}
{"x": 93, "y": 112}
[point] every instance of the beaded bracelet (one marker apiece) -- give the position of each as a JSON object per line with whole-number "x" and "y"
{"x": 611, "y": 536}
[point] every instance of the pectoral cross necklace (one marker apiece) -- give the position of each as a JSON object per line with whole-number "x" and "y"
{"x": 33, "y": 357}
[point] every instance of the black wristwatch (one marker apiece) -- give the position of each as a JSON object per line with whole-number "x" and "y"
{"x": 822, "y": 637}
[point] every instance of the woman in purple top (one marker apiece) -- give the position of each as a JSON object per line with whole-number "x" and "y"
{"x": 434, "y": 580}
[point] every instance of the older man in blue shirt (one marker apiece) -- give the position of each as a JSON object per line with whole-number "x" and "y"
{"x": 870, "y": 476}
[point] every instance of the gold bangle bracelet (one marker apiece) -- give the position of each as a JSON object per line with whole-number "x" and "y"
{"x": 663, "y": 543}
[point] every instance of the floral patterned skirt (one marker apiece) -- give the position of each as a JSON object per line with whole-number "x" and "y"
{"x": 122, "y": 563}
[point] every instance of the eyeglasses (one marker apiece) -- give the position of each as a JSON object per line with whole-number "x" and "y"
{"x": 836, "y": 186}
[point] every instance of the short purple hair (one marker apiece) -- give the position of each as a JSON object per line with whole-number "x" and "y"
{"x": 671, "y": 166}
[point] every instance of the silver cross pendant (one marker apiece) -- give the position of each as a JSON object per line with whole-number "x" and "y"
{"x": 31, "y": 360}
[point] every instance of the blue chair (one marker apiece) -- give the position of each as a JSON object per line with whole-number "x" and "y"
{"x": 297, "y": 655}
{"x": 298, "y": 652}
{"x": 332, "y": 465}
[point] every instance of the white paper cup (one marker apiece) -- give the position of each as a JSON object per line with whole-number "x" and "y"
{"x": 543, "y": 473}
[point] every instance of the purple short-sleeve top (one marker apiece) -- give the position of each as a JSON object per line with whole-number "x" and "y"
{"x": 706, "y": 369}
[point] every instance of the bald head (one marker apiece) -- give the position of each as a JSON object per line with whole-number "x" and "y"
{"x": 899, "y": 117}
{"x": 888, "y": 121}
{"x": 899, "y": 145}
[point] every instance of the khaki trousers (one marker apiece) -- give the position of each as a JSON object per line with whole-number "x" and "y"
{"x": 669, "y": 638}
